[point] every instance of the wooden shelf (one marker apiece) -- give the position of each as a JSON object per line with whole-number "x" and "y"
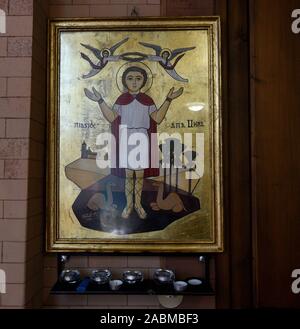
{"x": 147, "y": 287}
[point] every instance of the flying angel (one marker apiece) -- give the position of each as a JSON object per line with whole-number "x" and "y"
{"x": 165, "y": 56}
{"x": 104, "y": 56}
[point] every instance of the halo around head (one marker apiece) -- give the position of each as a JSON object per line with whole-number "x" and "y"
{"x": 166, "y": 50}
{"x": 143, "y": 66}
{"x": 105, "y": 50}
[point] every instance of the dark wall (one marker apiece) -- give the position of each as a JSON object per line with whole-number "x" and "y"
{"x": 275, "y": 115}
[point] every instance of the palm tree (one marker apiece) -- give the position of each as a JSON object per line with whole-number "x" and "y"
{"x": 171, "y": 156}
{"x": 191, "y": 156}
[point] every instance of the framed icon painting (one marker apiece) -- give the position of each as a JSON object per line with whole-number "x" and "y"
{"x": 134, "y": 136}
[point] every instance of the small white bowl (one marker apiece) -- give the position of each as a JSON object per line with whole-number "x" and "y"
{"x": 194, "y": 282}
{"x": 115, "y": 284}
{"x": 180, "y": 285}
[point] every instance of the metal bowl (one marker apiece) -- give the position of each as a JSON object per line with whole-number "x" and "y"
{"x": 132, "y": 277}
{"x": 100, "y": 276}
{"x": 164, "y": 276}
{"x": 69, "y": 276}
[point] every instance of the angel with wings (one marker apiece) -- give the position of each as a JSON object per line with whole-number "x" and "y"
{"x": 104, "y": 56}
{"x": 165, "y": 56}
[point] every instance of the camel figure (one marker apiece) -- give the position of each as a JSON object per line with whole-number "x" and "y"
{"x": 108, "y": 210}
{"x": 171, "y": 202}
{"x": 99, "y": 201}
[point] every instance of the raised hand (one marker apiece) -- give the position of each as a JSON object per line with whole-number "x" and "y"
{"x": 94, "y": 96}
{"x": 174, "y": 94}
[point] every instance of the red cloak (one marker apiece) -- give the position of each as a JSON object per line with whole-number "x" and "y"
{"x": 126, "y": 99}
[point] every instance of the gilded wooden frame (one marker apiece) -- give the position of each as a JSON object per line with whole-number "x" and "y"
{"x": 207, "y": 27}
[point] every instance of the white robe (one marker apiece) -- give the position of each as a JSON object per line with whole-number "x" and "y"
{"x": 135, "y": 118}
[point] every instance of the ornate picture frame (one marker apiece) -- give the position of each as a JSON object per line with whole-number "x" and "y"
{"x": 134, "y": 136}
